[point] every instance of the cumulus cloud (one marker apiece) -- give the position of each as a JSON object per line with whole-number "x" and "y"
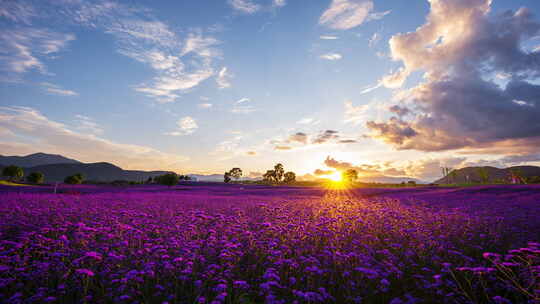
{"x": 331, "y": 56}
{"x": 460, "y": 48}
{"x": 186, "y": 126}
{"x": 30, "y": 131}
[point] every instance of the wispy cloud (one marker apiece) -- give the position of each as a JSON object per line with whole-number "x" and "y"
{"x": 186, "y": 126}
{"x": 50, "y": 136}
{"x": 223, "y": 78}
{"x": 57, "y": 90}
{"x": 331, "y": 56}
{"x": 87, "y": 125}
{"x": 370, "y": 88}
{"x": 205, "y": 105}
{"x": 326, "y": 37}
{"x": 355, "y": 114}
{"x": 24, "y": 49}
{"x": 347, "y": 14}
{"x": 245, "y": 6}
{"x": 308, "y": 121}
{"x": 375, "y": 38}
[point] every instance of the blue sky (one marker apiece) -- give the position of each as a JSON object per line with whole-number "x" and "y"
{"x": 202, "y": 86}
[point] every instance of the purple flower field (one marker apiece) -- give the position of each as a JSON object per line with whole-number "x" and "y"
{"x": 257, "y": 244}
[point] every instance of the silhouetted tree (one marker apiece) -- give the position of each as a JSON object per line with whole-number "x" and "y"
{"x": 13, "y": 172}
{"x": 74, "y": 179}
{"x": 350, "y": 175}
{"x": 269, "y": 176}
{"x": 236, "y": 173}
{"x": 278, "y": 172}
{"x": 484, "y": 175}
{"x": 35, "y": 177}
{"x": 289, "y": 177}
{"x": 227, "y": 177}
{"x": 169, "y": 179}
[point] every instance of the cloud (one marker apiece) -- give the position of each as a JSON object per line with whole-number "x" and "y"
{"x": 375, "y": 38}
{"x": 205, "y": 105}
{"x": 251, "y": 153}
{"x": 457, "y": 106}
{"x": 319, "y": 172}
{"x": 282, "y": 148}
{"x": 24, "y": 49}
{"x": 223, "y": 79}
{"x": 181, "y": 60}
{"x": 299, "y": 137}
{"x": 243, "y": 100}
{"x": 331, "y": 56}
{"x": 246, "y": 6}
{"x": 521, "y": 158}
{"x": 370, "y": 88}
{"x": 17, "y": 12}
{"x": 280, "y": 3}
{"x": 355, "y": 114}
{"x": 346, "y": 14}
{"x": 87, "y": 125}
{"x": 308, "y": 121}
{"x": 57, "y": 90}
{"x": 325, "y": 136}
{"x": 240, "y": 107}
{"x": 378, "y": 15}
{"x": 186, "y": 126}
{"x": 328, "y": 37}
{"x": 32, "y": 132}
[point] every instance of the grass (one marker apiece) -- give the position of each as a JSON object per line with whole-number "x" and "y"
{"x": 8, "y": 183}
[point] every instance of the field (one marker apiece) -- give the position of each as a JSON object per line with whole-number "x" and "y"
{"x": 211, "y": 243}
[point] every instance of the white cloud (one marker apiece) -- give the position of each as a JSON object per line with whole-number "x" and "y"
{"x": 355, "y": 114}
{"x": 331, "y": 56}
{"x": 30, "y": 131}
{"x": 242, "y": 100}
{"x": 223, "y": 78}
{"x": 186, "y": 126}
{"x": 205, "y": 105}
{"x": 370, "y": 88}
{"x": 24, "y": 49}
{"x": 87, "y": 125}
{"x": 280, "y": 3}
{"x": 327, "y": 37}
{"x": 308, "y": 121}
{"x": 246, "y": 6}
{"x": 346, "y": 14}
{"x": 57, "y": 90}
{"x": 374, "y": 39}
{"x": 378, "y": 15}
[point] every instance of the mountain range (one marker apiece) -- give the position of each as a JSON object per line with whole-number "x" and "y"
{"x": 472, "y": 174}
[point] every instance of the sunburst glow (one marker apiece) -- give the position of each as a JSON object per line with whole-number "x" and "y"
{"x": 335, "y": 177}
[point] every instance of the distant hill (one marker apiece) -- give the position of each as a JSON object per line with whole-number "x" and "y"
{"x": 103, "y": 172}
{"x": 57, "y": 167}
{"x": 388, "y": 179}
{"x": 214, "y": 177}
{"x": 471, "y": 174}
{"x": 36, "y": 159}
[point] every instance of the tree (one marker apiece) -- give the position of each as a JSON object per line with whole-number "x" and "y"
{"x": 269, "y": 176}
{"x": 454, "y": 175}
{"x": 484, "y": 175}
{"x": 289, "y": 177}
{"x": 227, "y": 177}
{"x": 278, "y": 172}
{"x": 169, "y": 179}
{"x": 350, "y": 175}
{"x": 236, "y": 173}
{"x": 35, "y": 177}
{"x": 13, "y": 172}
{"x": 74, "y": 179}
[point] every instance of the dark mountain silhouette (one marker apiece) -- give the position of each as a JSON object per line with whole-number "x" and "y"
{"x": 102, "y": 172}
{"x": 472, "y": 174}
{"x": 36, "y": 159}
{"x": 388, "y": 179}
{"x": 57, "y": 167}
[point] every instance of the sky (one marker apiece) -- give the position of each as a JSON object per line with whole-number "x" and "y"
{"x": 394, "y": 88}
